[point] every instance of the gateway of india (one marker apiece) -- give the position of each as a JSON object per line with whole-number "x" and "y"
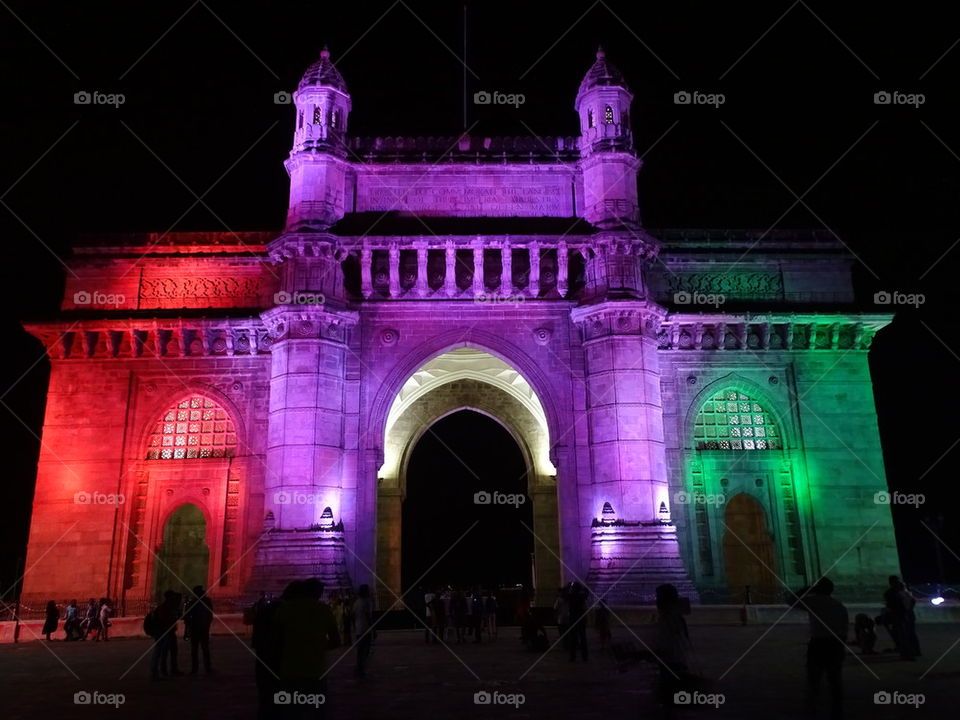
{"x": 239, "y": 409}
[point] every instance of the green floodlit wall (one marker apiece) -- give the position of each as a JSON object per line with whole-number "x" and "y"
{"x": 817, "y": 488}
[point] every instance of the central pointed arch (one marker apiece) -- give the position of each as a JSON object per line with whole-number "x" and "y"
{"x": 465, "y": 377}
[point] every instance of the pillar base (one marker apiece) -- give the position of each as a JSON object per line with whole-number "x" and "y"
{"x": 630, "y": 559}
{"x": 287, "y": 555}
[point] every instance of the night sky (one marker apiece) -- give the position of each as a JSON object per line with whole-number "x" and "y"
{"x": 799, "y": 121}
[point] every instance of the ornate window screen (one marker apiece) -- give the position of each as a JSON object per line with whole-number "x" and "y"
{"x": 731, "y": 420}
{"x": 196, "y": 427}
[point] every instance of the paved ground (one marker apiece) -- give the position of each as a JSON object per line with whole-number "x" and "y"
{"x": 411, "y": 680}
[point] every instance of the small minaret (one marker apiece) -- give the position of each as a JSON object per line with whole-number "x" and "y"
{"x": 609, "y": 162}
{"x": 317, "y": 165}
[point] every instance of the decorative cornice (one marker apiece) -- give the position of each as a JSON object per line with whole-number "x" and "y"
{"x": 770, "y": 331}
{"x": 618, "y": 317}
{"x": 305, "y": 323}
{"x": 105, "y": 339}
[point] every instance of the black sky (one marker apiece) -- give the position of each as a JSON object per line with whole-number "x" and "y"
{"x": 199, "y": 119}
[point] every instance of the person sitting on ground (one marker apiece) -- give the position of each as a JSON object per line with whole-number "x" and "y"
{"x": 865, "y": 634}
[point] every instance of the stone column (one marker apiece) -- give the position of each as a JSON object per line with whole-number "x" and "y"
{"x": 450, "y": 273}
{"x": 366, "y": 281}
{"x": 562, "y": 269}
{"x": 633, "y": 547}
{"x": 306, "y": 415}
{"x": 478, "y": 286}
{"x": 394, "y": 257}
{"x": 422, "y": 286}
{"x": 534, "y": 284}
{"x": 305, "y": 481}
{"x": 506, "y": 269}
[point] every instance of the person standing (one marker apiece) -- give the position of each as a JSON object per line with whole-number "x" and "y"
{"x": 910, "y": 639}
{"x": 70, "y": 621}
{"x": 601, "y": 619}
{"x": 161, "y": 625}
{"x": 90, "y": 619}
{"x": 428, "y": 597}
{"x": 490, "y": 611}
{"x": 561, "y": 610}
{"x": 104, "y": 620}
{"x": 197, "y": 620}
{"x": 829, "y": 621}
{"x": 363, "y": 618}
{"x": 51, "y": 621}
{"x": 578, "y": 621}
{"x": 476, "y": 613}
{"x": 306, "y": 629}
{"x": 672, "y": 646}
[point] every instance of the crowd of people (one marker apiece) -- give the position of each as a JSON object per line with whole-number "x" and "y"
{"x": 450, "y": 613}
{"x": 293, "y": 632}
{"x": 79, "y": 624}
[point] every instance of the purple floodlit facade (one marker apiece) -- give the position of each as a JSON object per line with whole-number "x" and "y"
{"x": 668, "y": 391}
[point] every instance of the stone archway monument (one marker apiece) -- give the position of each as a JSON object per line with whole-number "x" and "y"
{"x": 467, "y": 378}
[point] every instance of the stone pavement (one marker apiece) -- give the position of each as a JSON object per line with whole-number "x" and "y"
{"x": 757, "y": 669}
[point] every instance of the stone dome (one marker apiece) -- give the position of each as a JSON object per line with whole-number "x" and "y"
{"x": 323, "y": 73}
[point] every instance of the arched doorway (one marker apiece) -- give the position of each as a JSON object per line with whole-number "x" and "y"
{"x": 449, "y": 534}
{"x": 184, "y": 558}
{"x": 749, "y": 554}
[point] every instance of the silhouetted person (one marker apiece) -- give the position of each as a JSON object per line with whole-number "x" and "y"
{"x": 561, "y": 609}
{"x": 266, "y": 642}
{"x": 476, "y": 614}
{"x": 900, "y": 604}
{"x": 349, "y": 618}
{"x": 865, "y": 634}
{"x": 52, "y": 620}
{"x": 601, "y": 619}
{"x": 307, "y": 630}
{"x": 71, "y": 621}
{"x": 428, "y": 629}
{"x": 90, "y": 618}
{"x": 363, "y": 616}
{"x": 161, "y": 625}
{"x": 490, "y": 614}
{"x": 577, "y": 599}
{"x": 671, "y": 646}
{"x": 197, "y": 620}
{"x": 829, "y": 622}
{"x": 459, "y": 605}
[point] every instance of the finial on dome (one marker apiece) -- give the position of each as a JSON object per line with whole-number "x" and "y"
{"x": 600, "y": 53}
{"x": 325, "y": 53}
